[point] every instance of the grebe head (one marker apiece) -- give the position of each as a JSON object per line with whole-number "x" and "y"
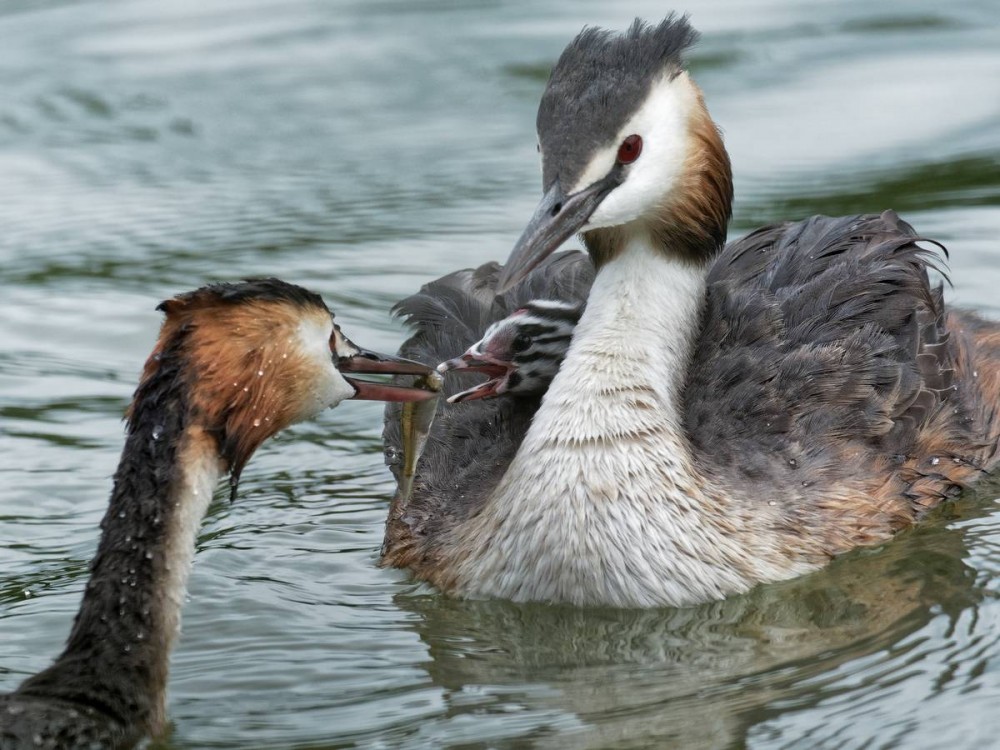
{"x": 259, "y": 356}
{"x": 520, "y": 353}
{"x": 626, "y": 141}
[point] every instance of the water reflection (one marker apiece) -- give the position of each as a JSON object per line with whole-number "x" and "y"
{"x": 700, "y": 677}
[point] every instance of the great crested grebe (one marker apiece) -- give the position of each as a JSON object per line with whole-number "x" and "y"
{"x": 725, "y": 416}
{"x": 521, "y": 353}
{"x": 234, "y": 364}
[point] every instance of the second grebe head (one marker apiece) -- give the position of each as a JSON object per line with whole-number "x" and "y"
{"x": 261, "y": 355}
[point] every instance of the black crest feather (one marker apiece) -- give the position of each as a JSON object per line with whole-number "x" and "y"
{"x": 599, "y": 81}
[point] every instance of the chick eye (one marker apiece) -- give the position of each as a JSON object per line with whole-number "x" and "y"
{"x": 630, "y": 149}
{"x": 521, "y": 342}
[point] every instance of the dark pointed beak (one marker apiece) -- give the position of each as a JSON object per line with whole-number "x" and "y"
{"x": 371, "y": 362}
{"x": 557, "y": 218}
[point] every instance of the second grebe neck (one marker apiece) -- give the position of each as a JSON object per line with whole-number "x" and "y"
{"x": 130, "y": 614}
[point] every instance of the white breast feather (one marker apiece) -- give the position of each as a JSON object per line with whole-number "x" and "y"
{"x": 602, "y": 504}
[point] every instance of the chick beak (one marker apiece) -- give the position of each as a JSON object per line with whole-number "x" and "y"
{"x": 498, "y": 371}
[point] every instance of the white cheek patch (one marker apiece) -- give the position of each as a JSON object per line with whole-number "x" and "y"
{"x": 325, "y": 387}
{"x": 314, "y": 339}
{"x": 662, "y": 122}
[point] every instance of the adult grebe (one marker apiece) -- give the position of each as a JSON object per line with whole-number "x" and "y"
{"x": 234, "y": 364}
{"x": 724, "y": 416}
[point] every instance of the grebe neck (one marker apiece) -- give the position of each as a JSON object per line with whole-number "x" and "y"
{"x": 603, "y": 503}
{"x": 117, "y": 657}
{"x": 629, "y": 355}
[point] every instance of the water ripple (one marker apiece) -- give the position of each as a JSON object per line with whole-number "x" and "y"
{"x": 363, "y": 148}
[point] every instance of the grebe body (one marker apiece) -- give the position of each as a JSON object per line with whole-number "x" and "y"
{"x": 725, "y": 415}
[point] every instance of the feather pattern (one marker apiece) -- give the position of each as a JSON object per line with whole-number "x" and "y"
{"x": 470, "y": 444}
{"x": 828, "y": 379}
{"x": 825, "y": 376}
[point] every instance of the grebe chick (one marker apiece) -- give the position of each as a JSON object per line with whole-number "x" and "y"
{"x": 725, "y": 416}
{"x": 234, "y": 364}
{"x": 520, "y": 353}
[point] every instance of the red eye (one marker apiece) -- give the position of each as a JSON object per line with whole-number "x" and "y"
{"x": 630, "y": 149}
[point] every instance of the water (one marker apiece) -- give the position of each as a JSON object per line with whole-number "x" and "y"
{"x": 363, "y": 148}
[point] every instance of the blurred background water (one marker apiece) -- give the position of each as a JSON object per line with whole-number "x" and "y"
{"x": 363, "y": 148}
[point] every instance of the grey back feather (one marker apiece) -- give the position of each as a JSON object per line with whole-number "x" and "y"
{"x": 816, "y": 336}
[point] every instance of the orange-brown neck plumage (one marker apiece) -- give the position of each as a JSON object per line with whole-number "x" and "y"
{"x": 246, "y": 362}
{"x": 689, "y": 218}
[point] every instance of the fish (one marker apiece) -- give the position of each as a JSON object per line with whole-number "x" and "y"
{"x": 416, "y": 419}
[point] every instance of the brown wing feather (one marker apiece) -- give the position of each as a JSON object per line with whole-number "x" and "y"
{"x": 825, "y": 376}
